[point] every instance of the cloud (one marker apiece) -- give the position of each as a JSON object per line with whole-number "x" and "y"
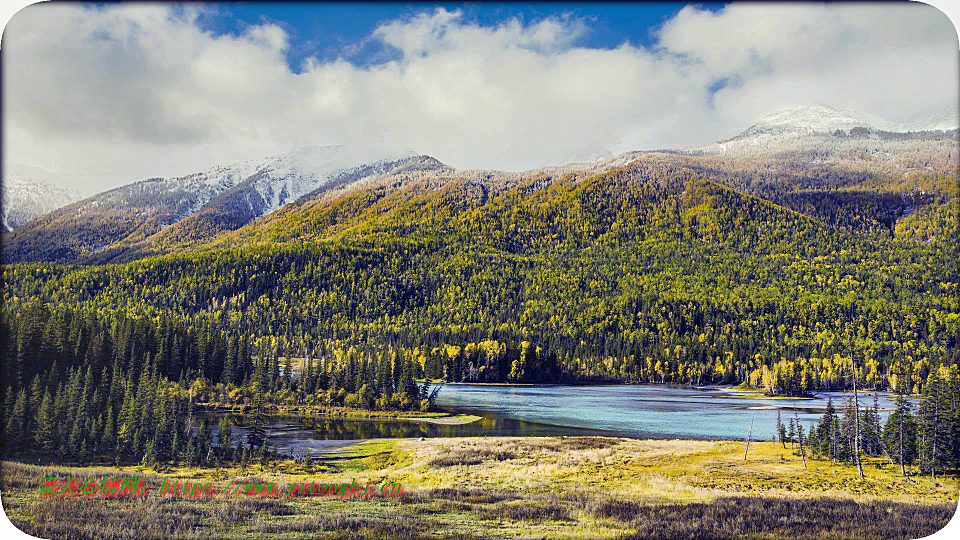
{"x": 145, "y": 90}
{"x": 892, "y": 60}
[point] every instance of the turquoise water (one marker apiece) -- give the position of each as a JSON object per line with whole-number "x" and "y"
{"x": 643, "y": 411}
{"x": 649, "y": 411}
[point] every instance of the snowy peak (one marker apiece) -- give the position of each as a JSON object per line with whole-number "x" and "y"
{"x": 188, "y": 209}
{"x": 824, "y": 119}
{"x": 812, "y": 119}
{"x": 586, "y": 154}
{"x": 936, "y": 120}
{"x": 285, "y": 178}
{"x": 322, "y": 160}
{"x": 29, "y": 192}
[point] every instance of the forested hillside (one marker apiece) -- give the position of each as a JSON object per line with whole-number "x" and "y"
{"x": 647, "y": 273}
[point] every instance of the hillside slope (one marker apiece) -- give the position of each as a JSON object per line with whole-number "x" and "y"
{"x": 105, "y": 226}
{"x": 646, "y": 272}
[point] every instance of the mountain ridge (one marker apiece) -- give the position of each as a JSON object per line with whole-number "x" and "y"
{"x": 826, "y": 119}
{"x": 795, "y": 157}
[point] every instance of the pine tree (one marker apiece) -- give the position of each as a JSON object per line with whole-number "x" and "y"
{"x": 781, "y": 432}
{"x": 825, "y": 440}
{"x": 15, "y": 430}
{"x": 258, "y": 429}
{"x": 287, "y": 372}
{"x": 45, "y": 434}
{"x": 930, "y": 425}
{"x": 224, "y": 438}
{"x": 899, "y": 433}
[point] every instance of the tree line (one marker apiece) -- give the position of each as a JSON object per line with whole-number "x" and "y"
{"x": 644, "y": 274}
{"x": 921, "y": 432}
{"x": 79, "y": 386}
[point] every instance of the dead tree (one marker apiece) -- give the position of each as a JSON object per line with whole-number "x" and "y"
{"x": 800, "y": 438}
{"x": 856, "y": 415}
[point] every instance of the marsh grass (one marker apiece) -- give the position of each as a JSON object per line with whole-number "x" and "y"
{"x": 473, "y": 456}
{"x": 392, "y": 528}
{"x": 766, "y": 517}
{"x": 82, "y": 518}
{"x": 553, "y": 487}
{"x": 527, "y": 510}
{"x": 471, "y": 495}
{"x": 586, "y": 443}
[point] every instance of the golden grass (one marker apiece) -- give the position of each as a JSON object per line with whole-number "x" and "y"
{"x": 512, "y": 487}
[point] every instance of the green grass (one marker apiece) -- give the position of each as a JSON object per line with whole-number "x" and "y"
{"x": 516, "y": 487}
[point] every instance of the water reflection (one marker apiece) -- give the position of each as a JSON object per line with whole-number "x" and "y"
{"x": 299, "y": 434}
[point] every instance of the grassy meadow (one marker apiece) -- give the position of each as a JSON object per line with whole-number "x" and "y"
{"x": 513, "y": 487}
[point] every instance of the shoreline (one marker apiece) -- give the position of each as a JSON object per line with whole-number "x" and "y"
{"x": 343, "y": 413}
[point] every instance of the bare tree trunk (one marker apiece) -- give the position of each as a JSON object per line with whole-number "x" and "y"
{"x": 856, "y": 416}
{"x": 936, "y": 418}
{"x": 749, "y": 434}
{"x": 903, "y": 470}
{"x": 800, "y": 438}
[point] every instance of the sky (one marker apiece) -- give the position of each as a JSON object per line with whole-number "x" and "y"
{"x": 159, "y": 89}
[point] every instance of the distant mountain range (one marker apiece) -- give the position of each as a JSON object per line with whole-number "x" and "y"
{"x": 197, "y": 205}
{"x": 29, "y": 192}
{"x": 162, "y": 214}
{"x": 823, "y": 119}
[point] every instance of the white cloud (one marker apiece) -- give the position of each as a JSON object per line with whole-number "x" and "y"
{"x": 892, "y": 60}
{"x": 142, "y": 89}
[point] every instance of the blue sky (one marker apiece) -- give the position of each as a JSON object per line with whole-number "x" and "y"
{"x": 329, "y": 31}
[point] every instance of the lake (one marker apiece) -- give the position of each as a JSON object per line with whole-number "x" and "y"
{"x": 642, "y": 411}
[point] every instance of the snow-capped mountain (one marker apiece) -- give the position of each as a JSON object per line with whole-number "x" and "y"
{"x": 823, "y": 119}
{"x": 812, "y": 134}
{"x": 29, "y": 192}
{"x": 25, "y": 199}
{"x": 220, "y": 198}
{"x": 810, "y": 119}
{"x": 935, "y": 120}
{"x": 283, "y": 179}
{"x": 265, "y": 185}
{"x": 587, "y": 154}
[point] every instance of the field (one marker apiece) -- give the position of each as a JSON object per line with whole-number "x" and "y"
{"x": 514, "y": 487}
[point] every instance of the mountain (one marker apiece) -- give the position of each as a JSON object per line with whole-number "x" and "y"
{"x": 750, "y": 260}
{"x": 588, "y": 154}
{"x": 861, "y": 178}
{"x": 649, "y": 272}
{"x": 30, "y": 192}
{"x": 115, "y": 222}
{"x": 163, "y": 215}
{"x": 830, "y": 164}
{"x": 809, "y": 158}
{"x": 935, "y": 120}
{"x": 822, "y": 119}
{"x": 809, "y": 119}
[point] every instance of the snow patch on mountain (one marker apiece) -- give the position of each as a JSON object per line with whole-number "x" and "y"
{"x": 288, "y": 177}
{"x": 277, "y": 180}
{"x": 814, "y": 119}
{"x": 935, "y": 120}
{"x": 587, "y": 154}
{"x": 808, "y": 119}
{"x": 29, "y": 192}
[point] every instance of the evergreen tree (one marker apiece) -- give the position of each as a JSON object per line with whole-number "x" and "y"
{"x": 899, "y": 433}
{"x": 15, "y": 430}
{"x": 930, "y": 425}
{"x": 45, "y": 434}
